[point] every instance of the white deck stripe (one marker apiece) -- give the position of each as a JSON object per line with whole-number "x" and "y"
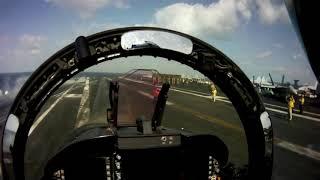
{"x": 137, "y": 81}
{"x": 151, "y": 97}
{"x": 298, "y": 149}
{"x": 169, "y": 103}
{"x": 73, "y": 96}
{"x": 145, "y": 94}
{"x": 186, "y": 92}
{"x": 198, "y": 92}
{"x": 305, "y": 112}
{"x": 59, "y": 94}
{"x": 294, "y": 114}
{"x": 84, "y": 110}
{"x": 278, "y": 142}
{"x": 222, "y": 97}
{"x": 44, "y": 114}
{"x": 268, "y": 108}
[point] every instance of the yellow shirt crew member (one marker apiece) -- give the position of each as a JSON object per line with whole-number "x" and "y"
{"x": 290, "y": 107}
{"x": 213, "y": 92}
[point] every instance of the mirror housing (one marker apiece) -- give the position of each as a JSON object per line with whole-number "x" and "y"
{"x": 149, "y": 39}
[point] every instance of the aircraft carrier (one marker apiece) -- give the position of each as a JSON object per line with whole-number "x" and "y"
{"x": 82, "y": 101}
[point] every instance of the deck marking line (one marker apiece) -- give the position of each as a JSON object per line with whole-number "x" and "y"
{"x": 84, "y": 110}
{"x": 73, "y": 96}
{"x": 296, "y": 110}
{"x": 278, "y": 142}
{"x": 268, "y": 108}
{"x": 44, "y": 114}
{"x": 297, "y": 149}
{"x": 151, "y": 97}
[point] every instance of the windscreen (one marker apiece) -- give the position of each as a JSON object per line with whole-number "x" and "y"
{"x": 195, "y": 104}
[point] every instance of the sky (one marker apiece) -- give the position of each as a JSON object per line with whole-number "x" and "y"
{"x": 256, "y": 34}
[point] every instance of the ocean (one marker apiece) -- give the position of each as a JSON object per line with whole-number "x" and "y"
{"x": 10, "y": 84}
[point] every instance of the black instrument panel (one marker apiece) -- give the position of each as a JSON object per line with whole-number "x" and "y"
{"x": 132, "y": 155}
{"x": 130, "y": 138}
{"x": 146, "y": 142}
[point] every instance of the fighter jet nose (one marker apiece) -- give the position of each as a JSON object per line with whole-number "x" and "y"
{"x": 292, "y": 90}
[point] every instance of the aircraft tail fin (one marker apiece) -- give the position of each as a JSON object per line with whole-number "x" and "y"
{"x": 315, "y": 85}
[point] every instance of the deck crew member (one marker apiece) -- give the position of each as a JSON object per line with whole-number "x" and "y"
{"x": 291, "y": 102}
{"x": 213, "y": 92}
{"x": 301, "y": 103}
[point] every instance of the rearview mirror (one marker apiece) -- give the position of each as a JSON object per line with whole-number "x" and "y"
{"x": 155, "y": 39}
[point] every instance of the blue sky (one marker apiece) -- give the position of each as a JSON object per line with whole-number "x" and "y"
{"x": 256, "y": 34}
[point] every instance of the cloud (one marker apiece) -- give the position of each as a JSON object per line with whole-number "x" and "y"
{"x": 270, "y": 12}
{"x": 264, "y": 54}
{"x": 31, "y": 44}
{"x": 121, "y": 4}
{"x": 86, "y": 29}
{"x": 87, "y": 8}
{"x": 3, "y": 39}
{"x": 24, "y": 54}
{"x": 83, "y": 29}
{"x": 278, "y": 45}
{"x": 279, "y": 69}
{"x": 219, "y": 18}
{"x": 297, "y": 56}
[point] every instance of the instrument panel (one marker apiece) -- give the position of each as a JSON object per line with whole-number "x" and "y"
{"x": 155, "y": 141}
{"x": 133, "y": 155}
